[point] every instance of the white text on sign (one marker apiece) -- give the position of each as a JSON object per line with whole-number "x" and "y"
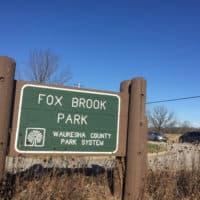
{"x": 51, "y": 100}
{"x": 88, "y": 103}
{"x": 75, "y": 119}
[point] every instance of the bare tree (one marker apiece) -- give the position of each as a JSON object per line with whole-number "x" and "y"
{"x": 44, "y": 68}
{"x": 185, "y": 126}
{"x": 160, "y": 118}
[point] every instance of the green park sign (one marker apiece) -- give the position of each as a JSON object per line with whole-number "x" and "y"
{"x": 63, "y": 120}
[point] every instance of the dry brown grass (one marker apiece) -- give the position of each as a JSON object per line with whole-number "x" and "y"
{"x": 179, "y": 185}
{"x": 80, "y": 184}
{"x": 161, "y": 185}
{"x": 59, "y": 185}
{"x": 173, "y": 137}
{"x": 76, "y": 186}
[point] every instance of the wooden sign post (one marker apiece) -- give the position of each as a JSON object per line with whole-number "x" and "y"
{"x": 7, "y": 68}
{"x": 136, "y": 155}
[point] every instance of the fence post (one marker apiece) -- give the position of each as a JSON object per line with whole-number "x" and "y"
{"x": 7, "y": 69}
{"x": 136, "y": 142}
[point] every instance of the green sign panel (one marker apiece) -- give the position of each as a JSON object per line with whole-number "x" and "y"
{"x": 61, "y": 120}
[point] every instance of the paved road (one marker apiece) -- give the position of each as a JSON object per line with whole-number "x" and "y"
{"x": 177, "y": 157}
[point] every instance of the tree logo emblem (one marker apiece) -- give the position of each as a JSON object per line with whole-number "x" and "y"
{"x": 35, "y": 137}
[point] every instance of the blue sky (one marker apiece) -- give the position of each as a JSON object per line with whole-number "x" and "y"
{"x": 107, "y": 41}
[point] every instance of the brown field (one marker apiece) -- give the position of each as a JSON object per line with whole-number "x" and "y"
{"x": 58, "y": 185}
{"x": 164, "y": 182}
{"x": 160, "y": 185}
{"x": 173, "y": 137}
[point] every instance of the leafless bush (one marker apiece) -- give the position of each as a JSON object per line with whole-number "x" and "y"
{"x": 97, "y": 184}
{"x": 177, "y": 185}
{"x": 39, "y": 183}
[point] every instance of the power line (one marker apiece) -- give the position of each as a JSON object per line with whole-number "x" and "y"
{"x": 168, "y": 100}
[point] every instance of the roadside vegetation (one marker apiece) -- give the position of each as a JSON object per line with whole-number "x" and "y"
{"x": 83, "y": 184}
{"x": 56, "y": 184}
{"x": 173, "y": 185}
{"x": 156, "y": 148}
{"x": 160, "y": 185}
